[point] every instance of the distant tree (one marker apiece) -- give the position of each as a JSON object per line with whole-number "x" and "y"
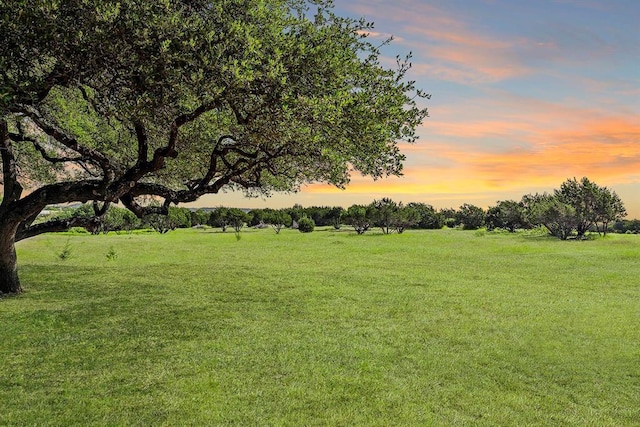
{"x": 179, "y": 217}
{"x": 176, "y": 218}
{"x": 627, "y": 226}
{"x": 219, "y": 218}
{"x": 609, "y": 208}
{"x": 429, "y": 218}
{"x": 237, "y": 218}
{"x": 130, "y": 221}
{"x": 507, "y": 214}
{"x": 296, "y": 212}
{"x": 384, "y": 213}
{"x": 450, "y": 217}
{"x": 406, "y": 217}
{"x": 582, "y": 196}
{"x": 334, "y": 217}
{"x": 558, "y": 218}
{"x": 359, "y": 217}
{"x": 160, "y": 223}
{"x": 278, "y": 219}
{"x": 114, "y": 219}
{"x": 256, "y": 217}
{"x": 470, "y": 216}
{"x": 199, "y": 217}
{"x": 575, "y": 208}
{"x": 317, "y": 214}
{"x": 83, "y": 214}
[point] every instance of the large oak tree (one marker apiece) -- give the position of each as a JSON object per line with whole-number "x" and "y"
{"x": 120, "y": 102}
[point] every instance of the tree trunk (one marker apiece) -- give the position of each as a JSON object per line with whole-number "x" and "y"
{"x": 9, "y": 282}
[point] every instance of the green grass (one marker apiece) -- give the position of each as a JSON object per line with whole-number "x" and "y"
{"x": 328, "y": 328}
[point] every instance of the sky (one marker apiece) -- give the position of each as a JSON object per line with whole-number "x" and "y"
{"x": 524, "y": 95}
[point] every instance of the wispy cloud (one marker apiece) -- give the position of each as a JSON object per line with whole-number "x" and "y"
{"x": 450, "y": 48}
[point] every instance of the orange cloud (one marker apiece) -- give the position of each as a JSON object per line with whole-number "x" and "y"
{"x": 573, "y": 143}
{"x": 536, "y": 145}
{"x": 607, "y": 150}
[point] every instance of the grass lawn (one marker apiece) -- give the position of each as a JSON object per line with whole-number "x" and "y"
{"x": 439, "y": 327}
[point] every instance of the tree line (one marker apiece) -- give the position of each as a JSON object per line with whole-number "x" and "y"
{"x": 577, "y": 207}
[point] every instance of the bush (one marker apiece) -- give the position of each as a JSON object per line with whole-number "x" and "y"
{"x": 306, "y": 225}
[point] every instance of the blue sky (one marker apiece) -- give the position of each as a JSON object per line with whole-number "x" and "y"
{"x": 525, "y": 94}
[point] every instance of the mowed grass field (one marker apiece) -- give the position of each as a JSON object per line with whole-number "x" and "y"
{"x": 329, "y": 328}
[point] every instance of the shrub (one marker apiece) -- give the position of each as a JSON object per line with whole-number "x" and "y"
{"x": 65, "y": 252}
{"x": 112, "y": 254}
{"x": 306, "y": 225}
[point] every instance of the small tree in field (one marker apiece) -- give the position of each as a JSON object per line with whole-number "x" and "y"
{"x": 278, "y": 220}
{"x": 557, "y": 217}
{"x": 359, "y": 217}
{"x": 384, "y": 213}
{"x": 335, "y": 216}
{"x": 219, "y": 218}
{"x": 391, "y": 216}
{"x": 176, "y": 218}
{"x": 199, "y": 217}
{"x": 582, "y": 197}
{"x": 160, "y": 223}
{"x": 406, "y": 217}
{"x": 450, "y": 217}
{"x": 470, "y": 216}
{"x": 428, "y": 217}
{"x": 574, "y": 208}
{"x": 237, "y": 218}
{"x": 609, "y": 208}
{"x": 508, "y": 215}
{"x": 129, "y": 101}
{"x": 119, "y": 219}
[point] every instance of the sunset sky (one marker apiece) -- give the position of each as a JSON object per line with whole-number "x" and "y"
{"x": 525, "y": 94}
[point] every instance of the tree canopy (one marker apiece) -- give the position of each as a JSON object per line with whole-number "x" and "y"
{"x": 574, "y": 208}
{"x": 170, "y": 100}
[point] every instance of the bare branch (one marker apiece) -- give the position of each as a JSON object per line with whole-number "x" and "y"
{"x": 11, "y": 186}
{"x": 68, "y": 141}
{"x": 140, "y": 211}
{"x": 169, "y": 150}
{"x": 80, "y": 161}
{"x": 51, "y": 159}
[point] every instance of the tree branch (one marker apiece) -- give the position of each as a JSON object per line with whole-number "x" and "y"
{"x": 80, "y": 161}
{"x": 57, "y": 225}
{"x": 140, "y": 211}
{"x": 143, "y": 143}
{"x": 170, "y": 149}
{"x": 11, "y": 186}
{"x": 61, "y": 192}
{"x": 143, "y": 166}
{"x": 68, "y": 141}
